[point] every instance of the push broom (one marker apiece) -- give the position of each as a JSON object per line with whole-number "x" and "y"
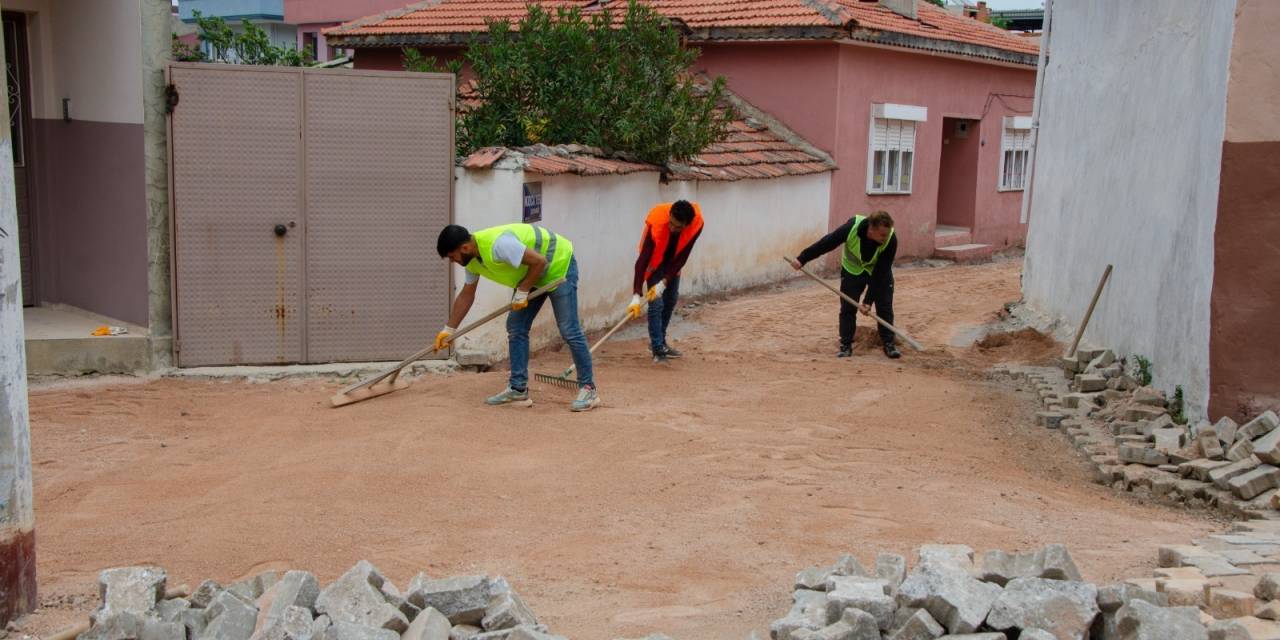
{"x": 563, "y": 380}
{"x": 901, "y": 334}
{"x": 389, "y": 380}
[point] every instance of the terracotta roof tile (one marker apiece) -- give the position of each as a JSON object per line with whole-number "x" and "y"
{"x": 484, "y": 158}
{"x": 462, "y": 17}
{"x": 937, "y": 23}
{"x": 773, "y": 151}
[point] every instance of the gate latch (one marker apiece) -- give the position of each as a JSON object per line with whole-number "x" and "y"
{"x": 170, "y": 98}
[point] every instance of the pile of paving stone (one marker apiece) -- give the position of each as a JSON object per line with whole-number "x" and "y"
{"x": 361, "y": 605}
{"x": 1029, "y": 596}
{"x": 1126, "y": 430}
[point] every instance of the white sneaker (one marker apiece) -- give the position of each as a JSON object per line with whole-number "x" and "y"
{"x": 587, "y": 400}
{"x": 510, "y": 396}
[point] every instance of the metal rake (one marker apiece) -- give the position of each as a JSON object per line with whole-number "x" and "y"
{"x": 563, "y": 380}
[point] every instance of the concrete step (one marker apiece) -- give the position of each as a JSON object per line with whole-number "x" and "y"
{"x": 965, "y": 253}
{"x": 949, "y": 236}
{"x": 58, "y": 342}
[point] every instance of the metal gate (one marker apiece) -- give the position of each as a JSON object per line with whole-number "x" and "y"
{"x": 305, "y": 208}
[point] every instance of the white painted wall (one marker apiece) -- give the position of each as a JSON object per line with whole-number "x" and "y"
{"x": 17, "y": 516}
{"x": 97, "y": 59}
{"x": 1131, "y": 128}
{"x": 90, "y": 52}
{"x": 750, "y": 225}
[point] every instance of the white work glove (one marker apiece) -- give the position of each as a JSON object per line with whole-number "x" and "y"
{"x": 656, "y": 290}
{"x": 444, "y": 338}
{"x": 520, "y": 300}
{"x": 633, "y": 309}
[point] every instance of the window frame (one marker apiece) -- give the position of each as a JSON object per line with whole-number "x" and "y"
{"x": 899, "y": 157}
{"x": 1014, "y": 178}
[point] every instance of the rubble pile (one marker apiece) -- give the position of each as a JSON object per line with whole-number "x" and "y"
{"x": 361, "y": 605}
{"x": 1127, "y": 431}
{"x": 1032, "y": 596}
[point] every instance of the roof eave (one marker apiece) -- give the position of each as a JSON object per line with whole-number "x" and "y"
{"x": 729, "y": 34}
{"x": 815, "y": 32}
{"x": 945, "y": 47}
{"x": 397, "y": 40}
{"x": 715, "y": 34}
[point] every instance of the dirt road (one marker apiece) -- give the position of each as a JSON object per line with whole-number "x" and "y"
{"x": 685, "y": 505}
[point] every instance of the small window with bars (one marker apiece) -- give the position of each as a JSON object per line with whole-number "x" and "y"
{"x": 893, "y": 145}
{"x": 1015, "y": 152}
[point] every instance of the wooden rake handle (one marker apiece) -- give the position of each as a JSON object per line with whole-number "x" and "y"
{"x": 394, "y": 371}
{"x": 568, "y": 372}
{"x": 901, "y": 334}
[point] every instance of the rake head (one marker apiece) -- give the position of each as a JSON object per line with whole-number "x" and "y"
{"x": 557, "y": 381}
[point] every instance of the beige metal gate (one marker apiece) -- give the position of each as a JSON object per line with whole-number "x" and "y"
{"x": 305, "y": 208}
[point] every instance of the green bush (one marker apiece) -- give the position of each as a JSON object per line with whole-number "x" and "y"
{"x": 566, "y": 78}
{"x": 1141, "y": 370}
{"x": 1178, "y": 408}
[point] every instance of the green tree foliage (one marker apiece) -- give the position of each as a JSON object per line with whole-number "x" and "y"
{"x": 183, "y": 52}
{"x": 251, "y": 46}
{"x": 565, "y": 77}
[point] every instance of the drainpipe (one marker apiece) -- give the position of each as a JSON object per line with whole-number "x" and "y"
{"x": 17, "y": 520}
{"x": 1041, "y": 66}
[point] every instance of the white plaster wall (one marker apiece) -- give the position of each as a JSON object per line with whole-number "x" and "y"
{"x": 1127, "y": 166}
{"x": 16, "y": 505}
{"x": 750, "y": 225}
{"x": 90, "y": 52}
{"x": 97, "y": 60}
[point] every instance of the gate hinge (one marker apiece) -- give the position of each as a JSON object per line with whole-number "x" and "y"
{"x": 170, "y": 98}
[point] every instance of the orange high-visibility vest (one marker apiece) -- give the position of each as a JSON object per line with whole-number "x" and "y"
{"x": 656, "y": 226}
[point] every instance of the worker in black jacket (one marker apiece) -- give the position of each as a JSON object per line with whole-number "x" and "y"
{"x": 869, "y": 246}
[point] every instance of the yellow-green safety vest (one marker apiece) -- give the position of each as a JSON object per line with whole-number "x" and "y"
{"x": 554, "y": 247}
{"x": 852, "y": 258}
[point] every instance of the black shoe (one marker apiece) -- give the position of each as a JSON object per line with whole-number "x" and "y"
{"x": 845, "y": 352}
{"x": 660, "y": 357}
{"x": 671, "y": 353}
{"x": 892, "y": 351}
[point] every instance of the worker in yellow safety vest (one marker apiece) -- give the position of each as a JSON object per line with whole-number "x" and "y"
{"x": 866, "y": 264}
{"x": 522, "y": 257}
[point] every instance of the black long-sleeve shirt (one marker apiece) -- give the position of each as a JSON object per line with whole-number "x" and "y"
{"x": 881, "y": 274}
{"x": 672, "y": 262}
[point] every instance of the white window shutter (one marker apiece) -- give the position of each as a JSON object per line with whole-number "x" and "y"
{"x": 908, "y": 142}
{"x": 881, "y": 140}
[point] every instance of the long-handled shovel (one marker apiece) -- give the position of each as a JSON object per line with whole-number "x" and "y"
{"x": 389, "y": 380}
{"x": 909, "y": 340}
{"x": 563, "y": 380}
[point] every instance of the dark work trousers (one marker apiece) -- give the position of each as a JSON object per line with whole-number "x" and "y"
{"x": 853, "y": 286}
{"x": 660, "y": 311}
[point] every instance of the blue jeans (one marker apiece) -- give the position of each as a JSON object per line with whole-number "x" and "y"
{"x": 660, "y": 311}
{"x": 564, "y": 302}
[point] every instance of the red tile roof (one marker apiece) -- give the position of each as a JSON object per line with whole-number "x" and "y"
{"x": 439, "y": 21}
{"x": 937, "y": 23}
{"x": 756, "y": 146}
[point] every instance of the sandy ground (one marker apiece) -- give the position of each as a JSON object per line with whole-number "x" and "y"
{"x": 685, "y": 505}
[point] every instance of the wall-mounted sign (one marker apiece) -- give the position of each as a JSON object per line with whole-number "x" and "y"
{"x": 532, "y": 202}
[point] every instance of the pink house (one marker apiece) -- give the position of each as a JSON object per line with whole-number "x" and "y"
{"x": 926, "y": 112}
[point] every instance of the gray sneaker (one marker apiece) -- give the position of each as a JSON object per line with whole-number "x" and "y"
{"x": 587, "y": 399}
{"x": 510, "y": 396}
